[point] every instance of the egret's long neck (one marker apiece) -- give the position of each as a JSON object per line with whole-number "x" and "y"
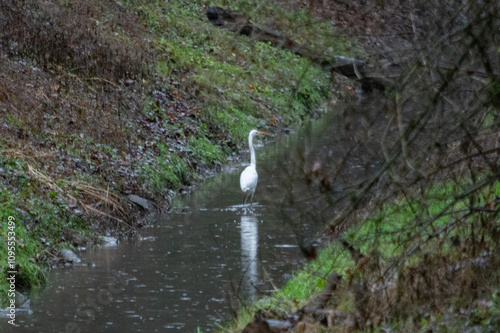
{"x": 252, "y": 152}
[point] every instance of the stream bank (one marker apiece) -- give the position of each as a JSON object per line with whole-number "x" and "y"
{"x": 188, "y": 268}
{"x": 103, "y": 105}
{"x": 414, "y": 247}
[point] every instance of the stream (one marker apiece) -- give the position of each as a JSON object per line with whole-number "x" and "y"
{"x": 195, "y": 265}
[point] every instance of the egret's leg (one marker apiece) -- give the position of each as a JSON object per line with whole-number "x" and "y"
{"x": 246, "y": 195}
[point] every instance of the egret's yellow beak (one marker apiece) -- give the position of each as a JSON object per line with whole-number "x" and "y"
{"x": 263, "y": 133}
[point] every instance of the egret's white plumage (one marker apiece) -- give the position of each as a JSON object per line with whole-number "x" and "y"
{"x": 249, "y": 176}
{"x": 248, "y": 179}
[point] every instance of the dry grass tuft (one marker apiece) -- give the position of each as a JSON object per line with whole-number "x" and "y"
{"x": 28, "y": 154}
{"x": 88, "y": 196}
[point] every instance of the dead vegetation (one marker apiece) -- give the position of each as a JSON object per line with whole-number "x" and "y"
{"x": 86, "y": 38}
{"x": 71, "y": 94}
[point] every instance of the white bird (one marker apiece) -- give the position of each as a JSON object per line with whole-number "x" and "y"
{"x": 249, "y": 176}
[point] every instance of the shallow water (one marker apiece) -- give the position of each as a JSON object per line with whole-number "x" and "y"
{"x": 197, "y": 263}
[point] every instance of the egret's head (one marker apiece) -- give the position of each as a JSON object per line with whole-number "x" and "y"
{"x": 253, "y": 133}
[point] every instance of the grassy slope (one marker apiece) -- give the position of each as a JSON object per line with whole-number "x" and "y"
{"x": 102, "y": 99}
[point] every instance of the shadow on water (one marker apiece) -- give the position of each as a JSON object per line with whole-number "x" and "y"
{"x": 208, "y": 255}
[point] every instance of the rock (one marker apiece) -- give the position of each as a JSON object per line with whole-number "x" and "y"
{"x": 347, "y": 66}
{"x": 69, "y": 255}
{"x": 72, "y": 203}
{"x": 219, "y": 16}
{"x": 279, "y": 325}
{"x": 109, "y": 241}
{"x": 20, "y": 298}
{"x": 257, "y": 327}
{"x": 23, "y": 304}
{"x": 144, "y": 203}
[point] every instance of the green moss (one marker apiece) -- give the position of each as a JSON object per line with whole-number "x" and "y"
{"x": 29, "y": 274}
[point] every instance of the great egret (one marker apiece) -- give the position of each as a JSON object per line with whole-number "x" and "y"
{"x": 249, "y": 176}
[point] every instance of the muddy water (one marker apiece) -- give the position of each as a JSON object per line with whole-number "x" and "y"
{"x": 210, "y": 253}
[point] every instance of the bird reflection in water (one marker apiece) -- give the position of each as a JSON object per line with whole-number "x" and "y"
{"x": 249, "y": 245}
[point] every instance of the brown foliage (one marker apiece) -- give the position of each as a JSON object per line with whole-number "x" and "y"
{"x": 76, "y": 35}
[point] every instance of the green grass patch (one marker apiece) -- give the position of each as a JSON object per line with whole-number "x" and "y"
{"x": 42, "y": 225}
{"x": 313, "y": 276}
{"x": 168, "y": 170}
{"x": 390, "y": 231}
{"x": 205, "y": 150}
{"x": 242, "y": 83}
{"x": 398, "y": 225}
